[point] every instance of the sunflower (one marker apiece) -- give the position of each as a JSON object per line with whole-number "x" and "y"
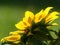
{"x": 30, "y": 17}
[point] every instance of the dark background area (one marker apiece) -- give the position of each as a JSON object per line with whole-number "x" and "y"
{"x": 36, "y": 3}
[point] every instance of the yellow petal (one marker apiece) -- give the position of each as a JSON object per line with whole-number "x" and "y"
{"x": 54, "y": 24}
{"x": 4, "y": 39}
{"x": 46, "y": 11}
{"x": 16, "y": 42}
{"x": 29, "y": 17}
{"x": 52, "y": 19}
{"x": 17, "y": 32}
{"x": 52, "y": 16}
{"x": 11, "y": 38}
{"x": 21, "y": 25}
{"x": 29, "y": 14}
{"x": 27, "y": 21}
{"x": 38, "y": 16}
{"x": 48, "y": 27}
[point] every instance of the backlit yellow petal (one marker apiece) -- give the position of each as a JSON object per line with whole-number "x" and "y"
{"x": 52, "y": 16}
{"x": 16, "y": 42}
{"x": 48, "y": 27}
{"x": 38, "y": 16}
{"x": 46, "y": 11}
{"x": 27, "y": 21}
{"x": 11, "y": 38}
{"x": 52, "y": 19}
{"x": 21, "y": 25}
{"x": 29, "y": 14}
{"x": 4, "y": 39}
{"x": 54, "y": 24}
{"x": 17, "y": 32}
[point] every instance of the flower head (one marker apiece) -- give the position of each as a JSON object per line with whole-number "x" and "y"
{"x": 32, "y": 25}
{"x": 30, "y": 17}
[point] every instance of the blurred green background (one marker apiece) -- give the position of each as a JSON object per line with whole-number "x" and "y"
{"x": 12, "y": 11}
